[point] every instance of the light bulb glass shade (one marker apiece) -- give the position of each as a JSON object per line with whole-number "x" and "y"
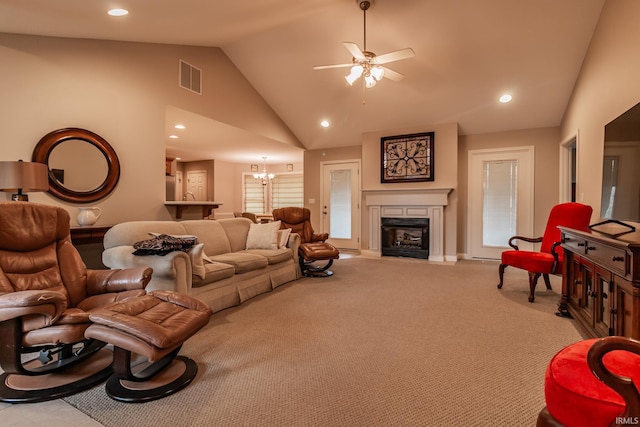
{"x": 377, "y": 72}
{"x": 356, "y": 72}
{"x": 369, "y": 81}
{"x": 264, "y": 175}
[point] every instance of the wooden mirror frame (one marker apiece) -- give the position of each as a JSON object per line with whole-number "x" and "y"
{"x": 47, "y": 143}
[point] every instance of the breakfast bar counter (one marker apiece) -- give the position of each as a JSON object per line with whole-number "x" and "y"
{"x": 207, "y": 207}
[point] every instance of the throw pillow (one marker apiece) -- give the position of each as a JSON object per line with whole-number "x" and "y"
{"x": 196, "y": 254}
{"x": 283, "y": 237}
{"x": 263, "y": 236}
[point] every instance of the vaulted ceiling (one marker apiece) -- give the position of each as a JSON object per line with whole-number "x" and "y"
{"x": 467, "y": 54}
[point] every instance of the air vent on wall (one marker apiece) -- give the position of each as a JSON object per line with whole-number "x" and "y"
{"x": 190, "y": 77}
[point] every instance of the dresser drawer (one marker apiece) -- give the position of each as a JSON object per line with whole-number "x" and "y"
{"x": 614, "y": 259}
{"x": 575, "y": 244}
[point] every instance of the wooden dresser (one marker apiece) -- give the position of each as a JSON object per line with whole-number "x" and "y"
{"x": 89, "y": 243}
{"x": 601, "y": 282}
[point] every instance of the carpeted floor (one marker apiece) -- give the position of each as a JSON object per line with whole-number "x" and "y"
{"x": 384, "y": 342}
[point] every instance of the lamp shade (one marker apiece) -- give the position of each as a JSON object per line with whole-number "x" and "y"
{"x": 23, "y": 176}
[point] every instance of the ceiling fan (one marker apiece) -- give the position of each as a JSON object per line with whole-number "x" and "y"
{"x": 368, "y": 64}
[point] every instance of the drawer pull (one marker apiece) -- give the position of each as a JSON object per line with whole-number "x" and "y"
{"x": 617, "y": 259}
{"x": 581, "y": 245}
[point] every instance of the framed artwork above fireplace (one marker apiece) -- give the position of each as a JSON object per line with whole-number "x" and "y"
{"x": 407, "y": 158}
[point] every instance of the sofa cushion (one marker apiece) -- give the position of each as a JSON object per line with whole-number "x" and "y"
{"x": 211, "y": 234}
{"x": 237, "y": 230}
{"x": 263, "y": 236}
{"x": 273, "y": 256}
{"x": 242, "y": 261}
{"x": 215, "y": 271}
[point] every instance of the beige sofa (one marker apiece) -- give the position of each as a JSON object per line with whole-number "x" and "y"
{"x": 220, "y": 270}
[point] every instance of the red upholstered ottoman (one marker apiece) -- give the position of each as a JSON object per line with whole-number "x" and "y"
{"x": 576, "y": 397}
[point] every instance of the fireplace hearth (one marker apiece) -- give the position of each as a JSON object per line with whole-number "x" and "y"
{"x": 405, "y": 237}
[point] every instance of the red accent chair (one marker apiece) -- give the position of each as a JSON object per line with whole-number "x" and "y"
{"x": 593, "y": 383}
{"x": 550, "y": 257}
{"x": 313, "y": 247}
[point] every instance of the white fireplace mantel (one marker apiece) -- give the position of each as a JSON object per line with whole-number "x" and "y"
{"x": 424, "y": 203}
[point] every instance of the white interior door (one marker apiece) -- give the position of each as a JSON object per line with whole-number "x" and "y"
{"x": 500, "y": 200}
{"x": 340, "y": 204}
{"x": 197, "y": 185}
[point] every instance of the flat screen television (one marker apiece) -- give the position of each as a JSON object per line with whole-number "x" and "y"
{"x": 621, "y": 169}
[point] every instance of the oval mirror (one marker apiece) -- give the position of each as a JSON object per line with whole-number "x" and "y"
{"x": 83, "y": 167}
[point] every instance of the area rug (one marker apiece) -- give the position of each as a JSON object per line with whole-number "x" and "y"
{"x": 383, "y": 342}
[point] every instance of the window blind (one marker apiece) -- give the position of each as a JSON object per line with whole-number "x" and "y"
{"x": 254, "y": 195}
{"x": 287, "y": 190}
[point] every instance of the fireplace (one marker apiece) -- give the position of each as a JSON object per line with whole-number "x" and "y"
{"x": 405, "y": 237}
{"x": 408, "y": 204}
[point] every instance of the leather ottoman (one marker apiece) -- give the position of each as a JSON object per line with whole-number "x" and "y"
{"x": 317, "y": 251}
{"x": 153, "y": 327}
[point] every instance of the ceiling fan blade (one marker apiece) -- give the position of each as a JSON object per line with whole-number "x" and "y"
{"x": 354, "y": 50}
{"x": 324, "y": 67}
{"x": 395, "y": 56}
{"x": 392, "y": 75}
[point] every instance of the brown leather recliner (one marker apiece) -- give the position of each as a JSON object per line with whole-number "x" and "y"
{"x": 313, "y": 247}
{"x": 46, "y": 296}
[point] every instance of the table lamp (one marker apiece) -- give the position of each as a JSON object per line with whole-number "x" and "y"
{"x": 16, "y": 177}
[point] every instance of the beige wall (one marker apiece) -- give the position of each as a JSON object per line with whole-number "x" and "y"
{"x": 545, "y": 143}
{"x": 445, "y": 173}
{"x": 120, "y": 91}
{"x": 607, "y": 86}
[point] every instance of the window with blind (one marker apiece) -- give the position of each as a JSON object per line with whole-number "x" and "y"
{"x": 283, "y": 191}
{"x": 287, "y": 190}
{"x": 254, "y": 195}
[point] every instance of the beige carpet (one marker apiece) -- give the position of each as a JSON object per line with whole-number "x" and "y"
{"x": 384, "y": 342}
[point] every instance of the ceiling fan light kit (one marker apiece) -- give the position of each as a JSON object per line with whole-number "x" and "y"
{"x": 365, "y": 63}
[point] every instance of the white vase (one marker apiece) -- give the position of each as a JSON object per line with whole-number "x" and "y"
{"x": 88, "y": 216}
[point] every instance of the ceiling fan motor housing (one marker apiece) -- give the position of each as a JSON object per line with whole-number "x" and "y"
{"x": 364, "y": 4}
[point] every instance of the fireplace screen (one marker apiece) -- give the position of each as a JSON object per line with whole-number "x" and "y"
{"x": 405, "y": 237}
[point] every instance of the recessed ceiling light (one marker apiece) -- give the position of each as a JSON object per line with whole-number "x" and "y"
{"x": 173, "y": 136}
{"x": 118, "y": 12}
{"x": 180, "y": 126}
{"x": 505, "y": 98}
{"x": 324, "y": 124}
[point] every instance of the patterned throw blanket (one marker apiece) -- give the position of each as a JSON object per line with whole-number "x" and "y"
{"x": 163, "y": 244}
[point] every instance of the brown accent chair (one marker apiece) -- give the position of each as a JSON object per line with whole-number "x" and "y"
{"x": 46, "y": 297}
{"x": 253, "y": 217}
{"x": 313, "y": 247}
